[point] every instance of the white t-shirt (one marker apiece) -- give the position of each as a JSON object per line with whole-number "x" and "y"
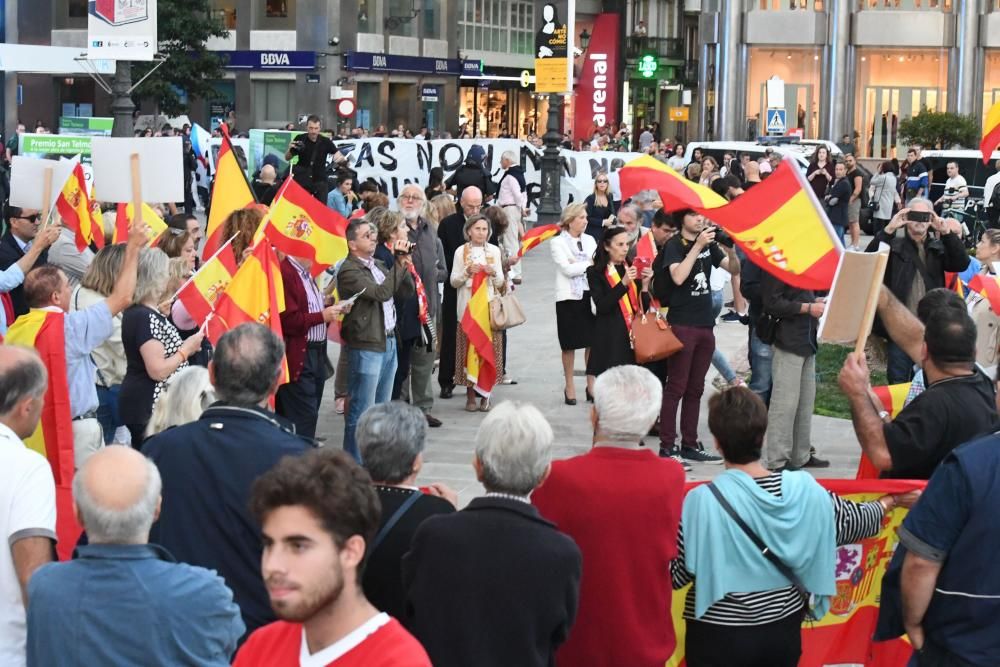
{"x": 27, "y": 509}
{"x": 677, "y": 162}
{"x": 951, "y": 187}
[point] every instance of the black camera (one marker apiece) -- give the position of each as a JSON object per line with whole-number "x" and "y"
{"x": 722, "y": 238}
{"x": 404, "y": 253}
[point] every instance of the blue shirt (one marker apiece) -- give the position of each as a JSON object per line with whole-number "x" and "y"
{"x": 129, "y": 604}
{"x": 338, "y": 202}
{"x": 9, "y": 279}
{"x": 85, "y": 330}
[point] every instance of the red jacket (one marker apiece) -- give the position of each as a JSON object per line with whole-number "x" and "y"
{"x": 296, "y": 320}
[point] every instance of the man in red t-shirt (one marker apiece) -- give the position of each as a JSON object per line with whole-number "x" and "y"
{"x": 621, "y": 504}
{"x": 317, "y": 513}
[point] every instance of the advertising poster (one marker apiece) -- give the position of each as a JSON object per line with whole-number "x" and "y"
{"x": 89, "y": 127}
{"x": 121, "y": 29}
{"x": 553, "y": 47}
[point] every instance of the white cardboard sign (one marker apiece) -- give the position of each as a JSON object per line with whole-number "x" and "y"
{"x": 28, "y": 177}
{"x": 160, "y": 167}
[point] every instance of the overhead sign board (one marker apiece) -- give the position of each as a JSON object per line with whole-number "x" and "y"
{"x": 776, "y": 121}
{"x": 31, "y": 59}
{"x": 121, "y": 30}
{"x": 384, "y": 62}
{"x": 269, "y": 60}
{"x": 553, "y": 47}
{"x": 679, "y": 114}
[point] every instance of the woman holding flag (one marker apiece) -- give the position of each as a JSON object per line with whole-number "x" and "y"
{"x": 476, "y": 368}
{"x": 615, "y": 293}
{"x": 982, "y": 299}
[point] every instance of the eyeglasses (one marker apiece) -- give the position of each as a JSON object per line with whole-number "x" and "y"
{"x": 601, "y": 180}
{"x": 34, "y": 217}
{"x": 410, "y": 198}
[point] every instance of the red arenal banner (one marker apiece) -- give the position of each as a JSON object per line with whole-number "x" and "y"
{"x": 843, "y": 636}
{"x": 596, "y": 96}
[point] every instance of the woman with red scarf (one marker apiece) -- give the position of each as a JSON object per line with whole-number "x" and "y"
{"x": 615, "y": 291}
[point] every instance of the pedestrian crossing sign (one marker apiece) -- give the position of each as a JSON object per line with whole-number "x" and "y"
{"x": 776, "y": 121}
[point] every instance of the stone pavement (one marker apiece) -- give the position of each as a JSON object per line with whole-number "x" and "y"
{"x": 534, "y": 362}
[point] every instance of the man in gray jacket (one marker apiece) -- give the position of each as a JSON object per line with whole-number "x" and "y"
{"x": 369, "y": 330}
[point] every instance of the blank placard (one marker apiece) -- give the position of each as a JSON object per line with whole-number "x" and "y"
{"x": 160, "y": 165}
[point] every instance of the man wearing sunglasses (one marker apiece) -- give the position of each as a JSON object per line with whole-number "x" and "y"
{"x": 18, "y": 246}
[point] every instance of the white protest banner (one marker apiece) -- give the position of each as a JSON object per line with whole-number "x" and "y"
{"x": 27, "y": 180}
{"x": 161, "y": 168}
{"x": 121, "y": 30}
{"x": 848, "y": 318}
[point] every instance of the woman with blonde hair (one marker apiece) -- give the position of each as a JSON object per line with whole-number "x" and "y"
{"x": 442, "y": 206}
{"x": 573, "y": 252}
{"x": 601, "y": 206}
{"x": 987, "y": 322}
{"x": 184, "y": 397}
{"x": 477, "y": 255}
{"x": 179, "y": 244}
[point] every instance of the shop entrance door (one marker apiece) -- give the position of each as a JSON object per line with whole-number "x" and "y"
{"x": 798, "y": 110}
{"x": 885, "y": 107}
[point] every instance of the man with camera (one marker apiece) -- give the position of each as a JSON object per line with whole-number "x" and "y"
{"x": 682, "y": 276}
{"x": 312, "y": 149}
{"x": 369, "y": 329}
{"x": 917, "y": 263}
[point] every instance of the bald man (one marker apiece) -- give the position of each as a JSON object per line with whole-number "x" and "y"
{"x": 27, "y": 494}
{"x": 452, "y": 236}
{"x": 266, "y": 187}
{"x": 131, "y": 603}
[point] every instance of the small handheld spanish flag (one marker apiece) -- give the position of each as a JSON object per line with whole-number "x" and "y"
{"x": 991, "y": 133}
{"x": 536, "y": 236}
{"x": 989, "y": 287}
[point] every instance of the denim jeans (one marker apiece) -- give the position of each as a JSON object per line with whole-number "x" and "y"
{"x": 761, "y": 355}
{"x": 107, "y": 411}
{"x": 898, "y": 366}
{"x": 719, "y": 360}
{"x": 369, "y": 381}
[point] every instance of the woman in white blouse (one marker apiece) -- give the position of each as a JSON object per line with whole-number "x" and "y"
{"x": 572, "y": 252}
{"x": 475, "y": 256}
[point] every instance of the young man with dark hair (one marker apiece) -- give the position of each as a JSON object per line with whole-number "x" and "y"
{"x": 318, "y": 514}
{"x": 312, "y": 149}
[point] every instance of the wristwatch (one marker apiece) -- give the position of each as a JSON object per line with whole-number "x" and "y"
{"x": 882, "y": 414}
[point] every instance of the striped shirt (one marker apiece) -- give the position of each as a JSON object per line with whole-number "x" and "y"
{"x": 317, "y": 332}
{"x": 852, "y": 521}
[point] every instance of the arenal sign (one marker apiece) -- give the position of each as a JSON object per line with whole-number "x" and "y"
{"x": 596, "y": 89}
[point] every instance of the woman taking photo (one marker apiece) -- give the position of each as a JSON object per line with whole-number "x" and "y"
{"x": 601, "y": 206}
{"x": 573, "y": 253}
{"x": 820, "y": 173}
{"x": 614, "y": 289}
{"x": 987, "y": 322}
{"x": 477, "y": 255}
{"x": 741, "y": 611}
{"x": 883, "y": 194}
{"x": 154, "y": 350}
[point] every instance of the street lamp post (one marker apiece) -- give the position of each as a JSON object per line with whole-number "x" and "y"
{"x": 549, "y": 207}
{"x": 121, "y": 103}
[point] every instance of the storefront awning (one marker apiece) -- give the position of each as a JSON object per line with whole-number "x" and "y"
{"x": 30, "y": 59}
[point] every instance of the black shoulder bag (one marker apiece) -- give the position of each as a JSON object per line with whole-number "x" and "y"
{"x": 394, "y": 519}
{"x": 765, "y": 551}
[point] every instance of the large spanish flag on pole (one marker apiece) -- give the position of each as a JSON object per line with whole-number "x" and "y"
{"x": 53, "y": 438}
{"x": 300, "y": 226}
{"x": 255, "y": 294}
{"x": 76, "y": 210}
{"x": 480, "y": 363}
{"x": 201, "y": 292}
{"x": 991, "y": 133}
{"x": 676, "y": 191}
{"x": 231, "y": 192}
{"x": 782, "y": 228}
{"x": 536, "y": 236}
{"x": 124, "y": 215}
{"x": 844, "y": 635}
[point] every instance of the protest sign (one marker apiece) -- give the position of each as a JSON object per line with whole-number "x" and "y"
{"x": 28, "y": 178}
{"x": 853, "y": 300}
{"x": 161, "y": 171}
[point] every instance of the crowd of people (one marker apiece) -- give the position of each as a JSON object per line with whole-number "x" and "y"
{"x": 243, "y": 536}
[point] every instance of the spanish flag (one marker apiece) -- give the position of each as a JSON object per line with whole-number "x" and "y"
{"x": 255, "y": 294}
{"x": 677, "y": 192}
{"x": 76, "y": 210}
{"x": 991, "y": 133}
{"x": 53, "y": 438}
{"x": 536, "y": 236}
{"x": 645, "y": 247}
{"x": 480, "y": 364}
{"x": 123, "y": 220}
{"x": 782, "y": 228}
{"x": 893, "y": 397}
{"x": 231, "y": 192}
{"x": 989, "y": 287}
{"x": 200, "y": 294}
{"x": 300, "y": 226}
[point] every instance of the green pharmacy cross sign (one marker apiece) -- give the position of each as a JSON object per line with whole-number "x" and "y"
{"x": 647, "y": 66}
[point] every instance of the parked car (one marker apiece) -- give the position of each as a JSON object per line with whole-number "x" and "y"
{"x": 755, "y": 150}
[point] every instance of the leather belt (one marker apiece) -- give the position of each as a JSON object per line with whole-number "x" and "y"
{"x": 86, "y": 415}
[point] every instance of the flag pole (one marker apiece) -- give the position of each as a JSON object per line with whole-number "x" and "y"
{"x": 203, "y": 265}
{"x": 46, "y": 197}
{"x": 136, "y": 189}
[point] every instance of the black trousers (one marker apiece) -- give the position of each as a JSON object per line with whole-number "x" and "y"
{"x": 446, "y": 336}
{"x": 403, "y": 350}
{"x": 777, "y": 644}
{"x": 299, "y": 401}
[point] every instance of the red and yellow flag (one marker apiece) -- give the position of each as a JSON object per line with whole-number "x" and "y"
{"x": 893, "y": 398}
{"x": 645, "y": 247}
{"x": 230, "y": 193}
{"x": 123, "y": 220}
{"x": 782, "y": 228}
{"x": 536, "y": 236}
{"x": 300, "y": 226}
{"x": 676, "y": 191}
{"x": 53, "y": 438}
{"x": 991, "y": 133}
{"x": 989, "y": 287}
{"x": 200, "y": 294}
{"x": 480, "y": 363}
{"x": 844, "y": 635}
{"x": 256, "y": 293}
{"x": 76, "y": 210}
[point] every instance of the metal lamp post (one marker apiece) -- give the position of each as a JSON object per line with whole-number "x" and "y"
{"x": 550, "y": 206}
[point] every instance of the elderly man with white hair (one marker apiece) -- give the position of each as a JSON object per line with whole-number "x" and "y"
{"x": 131, "y": 603}
{"x": 496, "y": 584}
{"x": 621, "y": 504}
{"x": 512, "y": 197}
